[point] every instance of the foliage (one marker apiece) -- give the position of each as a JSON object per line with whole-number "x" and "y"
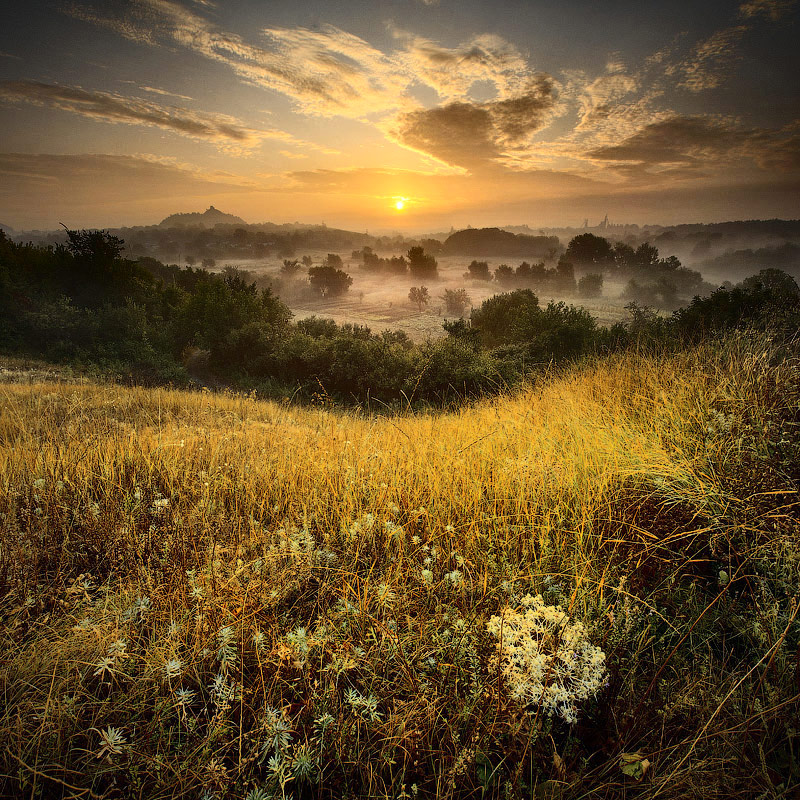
{"x": 419, "y": 296}
{"x": 499, "y": 314}
{"x": 290, "y": 268}
{"x": 456, "y": 301}
{"x": 586, "y": 248}
{"x": 422, "y": 264}
{"x": 590, "y": 285}
{"x": 478, "y": 271}
{"x": 329, "y": 281}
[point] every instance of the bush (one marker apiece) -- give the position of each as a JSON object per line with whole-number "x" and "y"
{"x": 498, "y": 317}
{"x": 456, "y": 301}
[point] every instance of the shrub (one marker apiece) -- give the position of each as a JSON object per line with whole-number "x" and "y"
{"x": 456, "y": 301}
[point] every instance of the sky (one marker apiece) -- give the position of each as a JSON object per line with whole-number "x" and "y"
{"x": 407, "y": 115}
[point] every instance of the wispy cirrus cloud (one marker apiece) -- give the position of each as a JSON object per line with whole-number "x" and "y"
{"x": 452, "y": 71}
{"x": 165, "y": 93}
{"x": 325, "y": 72}
{"x": 219, "y": 129}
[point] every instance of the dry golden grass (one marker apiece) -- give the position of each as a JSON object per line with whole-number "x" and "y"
{"x": 651, "y": 496}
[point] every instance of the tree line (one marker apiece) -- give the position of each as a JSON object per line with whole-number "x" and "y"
{"x": 84, "y": 303}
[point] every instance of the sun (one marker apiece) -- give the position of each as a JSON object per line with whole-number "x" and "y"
{"x": 400, "y": 203}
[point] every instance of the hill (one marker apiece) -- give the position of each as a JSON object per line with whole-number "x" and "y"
{"x": 497, "y": 242}
{"x": 584, "y": 588}
{"x": 208, "y": 219}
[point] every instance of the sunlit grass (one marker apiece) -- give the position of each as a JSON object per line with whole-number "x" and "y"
{"x": 206, "y": 593}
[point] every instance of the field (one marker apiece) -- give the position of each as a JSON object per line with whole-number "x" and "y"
{"x": 587, "y": 588}
{"x": 381, "y": 302}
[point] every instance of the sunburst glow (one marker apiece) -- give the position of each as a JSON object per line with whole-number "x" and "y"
{"x": 400, "y": 203}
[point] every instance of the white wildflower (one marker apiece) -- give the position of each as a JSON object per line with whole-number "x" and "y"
{"x": 547, "y": 661}
{"x": 456, "y": 577}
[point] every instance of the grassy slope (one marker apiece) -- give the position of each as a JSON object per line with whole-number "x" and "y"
{"x": 652, "y": 497}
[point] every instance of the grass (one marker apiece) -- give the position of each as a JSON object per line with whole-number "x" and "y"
{"x": 205, "y": 595}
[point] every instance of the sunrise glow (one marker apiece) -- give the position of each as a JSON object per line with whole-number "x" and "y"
{"x": 536, "y": 113}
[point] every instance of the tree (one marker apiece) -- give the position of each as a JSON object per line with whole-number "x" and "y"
{"x": 191, "y": 260}
{"x": 478, "y": 271}
{"x": 419, "y": 295}
{"x": 646, "y": 255}
{"x": 307, "y": 261}
{"x": 565, "y": 275}
{"x": 624, "y": 255}
{"x": 328, "y": 281}
{"x": 591, "y": 285}
{"x": 290, "y": 267}
{"x": 209, "y": 263}
{"x": 587, "y": 248}
{"x": 456, "y": 301}
{"x": 333, "y": 260}
{"x": 504, "y": 275}
{"x": 96, "y": 247}
{"x": 422, "y": 264}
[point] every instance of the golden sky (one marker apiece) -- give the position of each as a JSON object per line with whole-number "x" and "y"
{"x": 407, "y": 115}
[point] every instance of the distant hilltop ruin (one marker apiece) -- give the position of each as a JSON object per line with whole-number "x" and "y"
{"x": 208, "y": 219}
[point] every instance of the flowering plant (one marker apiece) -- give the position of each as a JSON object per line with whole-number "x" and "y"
{"x": 546, "y": 660}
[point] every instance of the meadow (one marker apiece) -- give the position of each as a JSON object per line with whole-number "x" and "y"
{"x": 380, "y": 301}
{"x": 586, "y": 587}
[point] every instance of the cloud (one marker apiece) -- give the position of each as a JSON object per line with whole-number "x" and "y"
{"x": 164, "y": 93}
{"x": 222, "y": 130}
{"x": 41, "y": 180}
{"x": 600, "y": 97}
{"x": 712, "y": 60}
{"x": 471, "y": 134}
{"x": 490, "y": 105}
{"x": 452, "y": 71}
{"x": 774, "y": 9}
{"x": 678, "y": 140}
{"x": 326, "y": 72}
{"x": 690, "y": 146}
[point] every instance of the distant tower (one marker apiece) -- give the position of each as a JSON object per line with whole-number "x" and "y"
{"x": 604, "y": 224}
{"x": 586, "y": 222}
